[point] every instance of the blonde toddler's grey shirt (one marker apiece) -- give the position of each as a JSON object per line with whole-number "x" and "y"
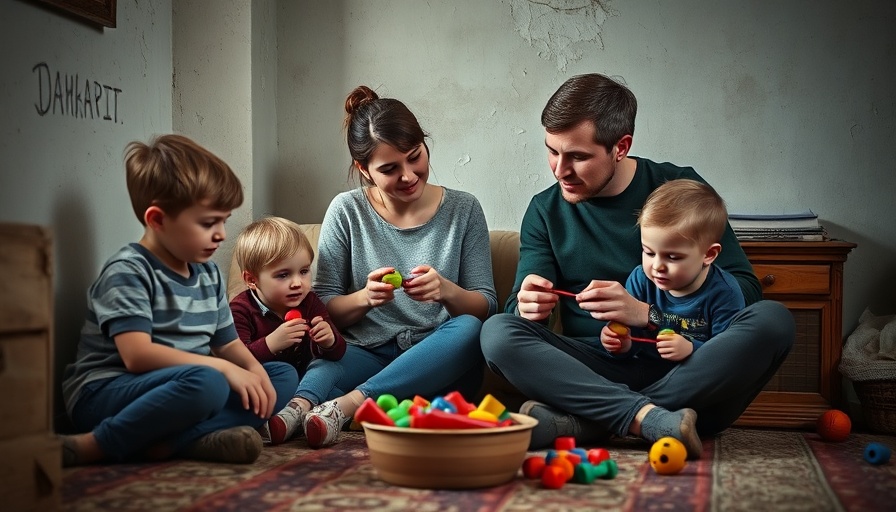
{"x": 355, "y": 240}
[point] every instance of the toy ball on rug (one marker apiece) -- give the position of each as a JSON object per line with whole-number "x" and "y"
{"x": 877, "y": 454}
{"x": 667, "y": 456}
{"x": 834, "y": 425}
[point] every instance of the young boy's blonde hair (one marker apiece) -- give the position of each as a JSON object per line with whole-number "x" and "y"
{"x": 174, "y": 173}
{"x": 267, "y": 241}
{"x": 691, "y": 208}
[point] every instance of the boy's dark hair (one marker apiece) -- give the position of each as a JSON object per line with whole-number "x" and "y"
{"x": 608, "y": 104}
{"x": 174, "y": 173}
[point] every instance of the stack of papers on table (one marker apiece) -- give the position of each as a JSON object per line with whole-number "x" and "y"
{"x": 802, "y": 225}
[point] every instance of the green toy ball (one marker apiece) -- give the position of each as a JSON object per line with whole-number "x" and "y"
{"x": 393, "y": 278}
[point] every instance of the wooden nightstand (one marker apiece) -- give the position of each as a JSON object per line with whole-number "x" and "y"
{"x": 807, "y": 277}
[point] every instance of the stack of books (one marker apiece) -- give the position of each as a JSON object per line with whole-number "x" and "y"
{"x": 783, "y": 227}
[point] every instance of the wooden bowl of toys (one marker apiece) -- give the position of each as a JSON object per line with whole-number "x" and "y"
{"x": 449, "y": 458}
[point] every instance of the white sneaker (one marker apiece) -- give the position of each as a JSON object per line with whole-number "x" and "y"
{"x": 323, "y": 424}
{"x": 265, "y": 434}
{"x": 285, "y": 424}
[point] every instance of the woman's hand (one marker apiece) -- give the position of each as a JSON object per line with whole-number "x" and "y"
{"x": 286, "y": 335}
{"x": 321, "y": 332}
{"x": 426, "y": 285}
{"x": 378, "y": 292}
{"x": 533, "y": 301}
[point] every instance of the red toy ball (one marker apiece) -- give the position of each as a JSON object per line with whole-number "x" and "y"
{"x": 292, "y": 314}
{"x": 834, "y": 425}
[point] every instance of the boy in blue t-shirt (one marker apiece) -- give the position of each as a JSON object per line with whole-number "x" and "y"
{"x": 160, "y": 371}
{"x": 681, "y": 224}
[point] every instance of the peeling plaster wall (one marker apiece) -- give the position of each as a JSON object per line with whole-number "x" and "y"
{"x": 781, "y": 106}
{"x": 560, "y": 30}
{"x": 65, "y": 169}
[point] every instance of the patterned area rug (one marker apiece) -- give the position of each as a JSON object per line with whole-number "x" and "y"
{"x": 750, "y": 470}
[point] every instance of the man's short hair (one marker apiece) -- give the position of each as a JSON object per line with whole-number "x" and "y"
{"x": 607, "y": 103}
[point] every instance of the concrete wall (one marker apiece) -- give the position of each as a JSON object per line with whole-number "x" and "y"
{"x": 782, "y": 106}
{"x": 213, "y": 89}
{"x": 61, "y": 148}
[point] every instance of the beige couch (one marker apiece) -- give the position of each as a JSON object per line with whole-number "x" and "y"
{"x": 505, "y": 247}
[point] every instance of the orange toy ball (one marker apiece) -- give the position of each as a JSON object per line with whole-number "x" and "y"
{"x": 834, "y": 425}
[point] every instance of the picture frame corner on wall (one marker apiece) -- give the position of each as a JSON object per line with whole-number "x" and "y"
{"x": 100, "y": 12}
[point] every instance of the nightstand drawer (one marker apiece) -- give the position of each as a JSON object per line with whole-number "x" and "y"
{"x": 793, "y": 279}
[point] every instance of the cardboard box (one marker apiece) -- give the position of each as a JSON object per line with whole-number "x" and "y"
{"x": 31, "y": 473}
{"x": 26, "y": 355}
{"x": 30, "y": 455}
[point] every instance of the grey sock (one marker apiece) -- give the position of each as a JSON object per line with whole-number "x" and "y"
{"x": 553, "y": 423}
{"x": 681, "y": 425}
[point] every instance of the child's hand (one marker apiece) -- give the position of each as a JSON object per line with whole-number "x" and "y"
{"x": 255, "y": 391}
{"x": 378, "y": 292}
{"x": 425, "y": 286}
{"x": 321, "y": 332}
{"x": 614, "y": 342}
{"x": 674, "y": 347}
{"x": 288, "y": 334}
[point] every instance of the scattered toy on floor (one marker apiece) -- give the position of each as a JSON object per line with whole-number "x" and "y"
{"x": 834, "y": 425}
{"x": 566, "y": 463}
{"x": 667, "y": 456}
{"x": 877, "y": 453}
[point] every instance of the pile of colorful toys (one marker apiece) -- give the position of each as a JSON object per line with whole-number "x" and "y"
{"x": 567, "y": 463}
{"x": 451, "y": 411}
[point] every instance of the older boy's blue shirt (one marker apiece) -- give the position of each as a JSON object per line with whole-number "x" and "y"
{"x": 135, "y": 292}
{"x": 698, "y": 316}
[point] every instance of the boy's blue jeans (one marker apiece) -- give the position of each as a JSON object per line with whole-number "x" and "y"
{"x": 175, "y": 406}
{"x": 448, "y": 359}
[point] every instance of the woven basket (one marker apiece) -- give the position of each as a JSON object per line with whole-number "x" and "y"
{"x": 878, "y": 398}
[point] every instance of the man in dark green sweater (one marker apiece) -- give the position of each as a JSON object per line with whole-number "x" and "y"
{"x": 579, "y": 236}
